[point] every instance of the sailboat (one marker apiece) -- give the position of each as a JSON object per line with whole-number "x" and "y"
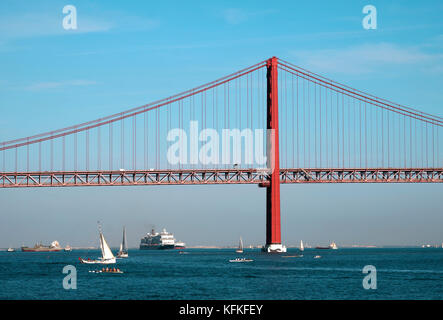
{"x": 123, "y": 252}
{"x": 107, "y": 256}
{"x": 302, "y": 248}
{"x": 240, "y": 246}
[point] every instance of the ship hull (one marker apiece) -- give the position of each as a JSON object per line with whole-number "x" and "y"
{"x": 122, "y": 255}
{"x": 25, "y": 249}
{"x": 101, "y": 261}
{"x": 157, "y": 247}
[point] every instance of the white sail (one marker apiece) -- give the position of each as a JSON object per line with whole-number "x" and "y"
{"x": 123, "y": 247}
{"x": 240, "y": 246}
{"x": 101, "y": 244}
{"x": 301, "y": 245}
{"x": 106, "y": 251}
{"x": 107, "y": 256}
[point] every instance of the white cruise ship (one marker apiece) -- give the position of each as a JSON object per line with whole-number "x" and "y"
{"x": 159, "y": 241}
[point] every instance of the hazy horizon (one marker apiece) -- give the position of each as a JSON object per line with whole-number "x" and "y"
{"x": 70, "y": 215}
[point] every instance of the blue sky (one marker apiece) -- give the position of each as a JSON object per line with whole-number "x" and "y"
{"x": 125, "y": 55}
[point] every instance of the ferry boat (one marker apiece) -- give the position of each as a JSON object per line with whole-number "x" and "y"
{"x": 179, "y": 245}
{"x": 53, "y": 247}
{"x": 160, "y": 241}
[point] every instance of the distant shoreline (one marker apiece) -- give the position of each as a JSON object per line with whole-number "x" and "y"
{"x": 355, "y": 246}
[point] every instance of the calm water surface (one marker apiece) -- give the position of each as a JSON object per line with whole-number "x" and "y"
{"x": 413, "y": 273}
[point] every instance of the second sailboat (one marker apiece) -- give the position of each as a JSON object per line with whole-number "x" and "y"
{"x": 123, "y": 252}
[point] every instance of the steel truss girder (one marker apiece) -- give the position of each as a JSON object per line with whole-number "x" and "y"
{"x": 217, "y": 176}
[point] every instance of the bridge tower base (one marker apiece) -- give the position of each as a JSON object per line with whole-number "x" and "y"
{"x": 274, "y": 248}
{"x": 273, "y": 232}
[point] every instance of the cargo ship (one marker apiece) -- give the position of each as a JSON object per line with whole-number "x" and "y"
{"x": 333, "y": 246}
{"x": 53, "y": 247}
{"x": 160, "y": 241}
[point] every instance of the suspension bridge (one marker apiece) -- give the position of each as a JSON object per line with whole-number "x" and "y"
{"x": 322, "y": 132}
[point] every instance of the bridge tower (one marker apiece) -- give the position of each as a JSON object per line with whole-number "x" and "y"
{"x": 273, "y": 233}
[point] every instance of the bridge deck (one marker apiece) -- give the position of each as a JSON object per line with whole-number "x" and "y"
{"x": 218, "y": 176}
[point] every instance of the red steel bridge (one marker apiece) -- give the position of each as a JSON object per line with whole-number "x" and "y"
{"x": 322, "y": 132}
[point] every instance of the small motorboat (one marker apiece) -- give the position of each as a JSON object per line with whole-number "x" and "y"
{"x": 67, "y": 248}
{"x": 317, "y": 257}
{"x": 107, "y": 270}
{"x": 241, "y": 260}
{"x": 10, "y": 250}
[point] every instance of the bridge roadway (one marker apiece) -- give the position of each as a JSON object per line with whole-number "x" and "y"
{"x": 218, "y": 176}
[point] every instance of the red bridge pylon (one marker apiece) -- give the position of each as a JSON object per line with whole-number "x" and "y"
{"x": 273, "y": 230}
